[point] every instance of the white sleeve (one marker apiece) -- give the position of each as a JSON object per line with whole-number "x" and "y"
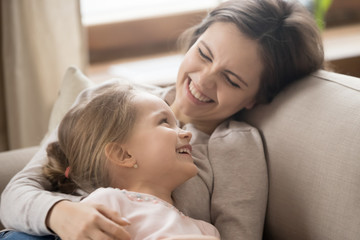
{"x": 27, "y": 198}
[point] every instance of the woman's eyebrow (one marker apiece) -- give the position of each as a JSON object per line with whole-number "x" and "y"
{"x": 237, "y": 76}
{"x": 227, "y": 71}
{"x": 207, "y": 47}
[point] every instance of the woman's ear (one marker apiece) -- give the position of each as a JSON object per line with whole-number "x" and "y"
{"x": 118, "y": 155}
{"x": 251, "y": 104}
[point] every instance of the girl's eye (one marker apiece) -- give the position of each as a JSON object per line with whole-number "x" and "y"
{"x": 204, "y": 56}
{"x": 164, "y": 121}
{"x": 231, "y": 82}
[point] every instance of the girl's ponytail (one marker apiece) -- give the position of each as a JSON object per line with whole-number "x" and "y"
{"x": 57, "y": 170}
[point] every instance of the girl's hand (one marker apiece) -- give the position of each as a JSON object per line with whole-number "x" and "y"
{"x": 192, "y": 237}
{"x": 70, "y": 220}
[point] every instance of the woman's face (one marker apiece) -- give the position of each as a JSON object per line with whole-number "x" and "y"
{"x": 219, "y": 76}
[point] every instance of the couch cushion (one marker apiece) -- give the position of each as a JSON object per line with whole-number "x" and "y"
{"x": 73, "y": 83}
{"x": 312, "y": 138}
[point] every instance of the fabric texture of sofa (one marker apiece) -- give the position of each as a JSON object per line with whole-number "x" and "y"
{"x": 311, "y": 135}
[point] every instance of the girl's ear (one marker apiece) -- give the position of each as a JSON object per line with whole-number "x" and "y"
{"x": 118, "y": 155}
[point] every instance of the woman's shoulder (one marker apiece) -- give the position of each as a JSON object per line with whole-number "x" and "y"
{"x": 234, "y": 139}
{"x": 233, "y": 126}
{"x": 235, "y": 133}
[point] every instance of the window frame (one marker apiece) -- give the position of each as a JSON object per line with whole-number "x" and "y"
{"x": 109, "y": 41}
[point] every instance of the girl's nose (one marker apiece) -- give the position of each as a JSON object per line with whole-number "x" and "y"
{"x": 185, "y": 134}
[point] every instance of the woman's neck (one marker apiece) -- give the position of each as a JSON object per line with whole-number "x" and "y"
{"x": 207, "y": 127}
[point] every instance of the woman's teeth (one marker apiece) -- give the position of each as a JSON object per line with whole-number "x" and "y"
{"x": 196, "y": 94}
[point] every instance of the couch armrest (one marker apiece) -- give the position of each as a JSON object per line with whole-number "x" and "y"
{"x": 12, "y": 162}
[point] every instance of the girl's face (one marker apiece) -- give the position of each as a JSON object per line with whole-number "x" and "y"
{"x": 219, "y": 76}
{"x": 160, "y": 148}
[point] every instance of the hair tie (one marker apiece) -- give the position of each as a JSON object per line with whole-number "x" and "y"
{"x": 67, "y": 171}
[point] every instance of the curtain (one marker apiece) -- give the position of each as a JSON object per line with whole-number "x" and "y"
{"x": 40, "y": 40}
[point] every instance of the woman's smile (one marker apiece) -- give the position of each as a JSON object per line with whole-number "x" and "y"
{"x": 195, "y": 95}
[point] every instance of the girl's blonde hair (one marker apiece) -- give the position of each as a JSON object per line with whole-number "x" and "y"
{"x": 106, "y": 116}
{"x": 289, "y": 40}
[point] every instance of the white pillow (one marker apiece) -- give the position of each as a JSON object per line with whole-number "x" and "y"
{"x": 73, "y": 83}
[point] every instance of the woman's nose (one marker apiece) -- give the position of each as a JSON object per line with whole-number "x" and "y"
{"x": 207, "y": 79}
{"x": 185, "y": 134}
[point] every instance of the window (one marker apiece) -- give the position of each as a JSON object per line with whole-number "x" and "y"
{"x": 122, "y": 29}
{"x": 121, "y": 10}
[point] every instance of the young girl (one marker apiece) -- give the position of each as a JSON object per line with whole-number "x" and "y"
{"x": 126, "y": 144}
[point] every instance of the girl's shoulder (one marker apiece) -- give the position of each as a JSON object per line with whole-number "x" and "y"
{"x": 104, "y": 191}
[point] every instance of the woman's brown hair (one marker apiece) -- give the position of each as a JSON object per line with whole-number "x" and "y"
{"x": 287, "y": 35}
{"x": 106, "y": 116}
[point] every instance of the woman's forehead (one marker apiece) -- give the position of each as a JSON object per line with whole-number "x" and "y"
{"x": 233, "y": 50}
{"x": 224, "y": 37}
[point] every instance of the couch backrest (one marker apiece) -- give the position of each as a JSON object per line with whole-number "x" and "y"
{"x": 311, "y": 133}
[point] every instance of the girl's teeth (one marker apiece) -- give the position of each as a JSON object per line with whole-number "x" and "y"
{"x": 185, "y": 150}
{"x": 197, "y": 94}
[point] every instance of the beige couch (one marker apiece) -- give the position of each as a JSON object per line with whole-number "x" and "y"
{"x": 311, "y": 133}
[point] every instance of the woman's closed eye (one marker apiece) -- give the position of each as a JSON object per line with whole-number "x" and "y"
{"x": 227, "y": 78}
{"x": 232, "y": 83}
{"x": 203, "y": 55}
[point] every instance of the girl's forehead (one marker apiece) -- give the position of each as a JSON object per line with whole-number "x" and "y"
{"x": 147, "y": 103}
{"x": 145, "y": 97}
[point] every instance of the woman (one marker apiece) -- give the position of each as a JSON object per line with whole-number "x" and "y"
{"x": 242, "y": 54}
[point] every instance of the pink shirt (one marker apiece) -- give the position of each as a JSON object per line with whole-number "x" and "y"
{"x": 150, "y": 217}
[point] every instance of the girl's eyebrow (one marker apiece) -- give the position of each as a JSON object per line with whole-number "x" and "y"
{"x": 163, "y": 113}
{"x": 227, "y": 71}
{"x": 160, "y": 113}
